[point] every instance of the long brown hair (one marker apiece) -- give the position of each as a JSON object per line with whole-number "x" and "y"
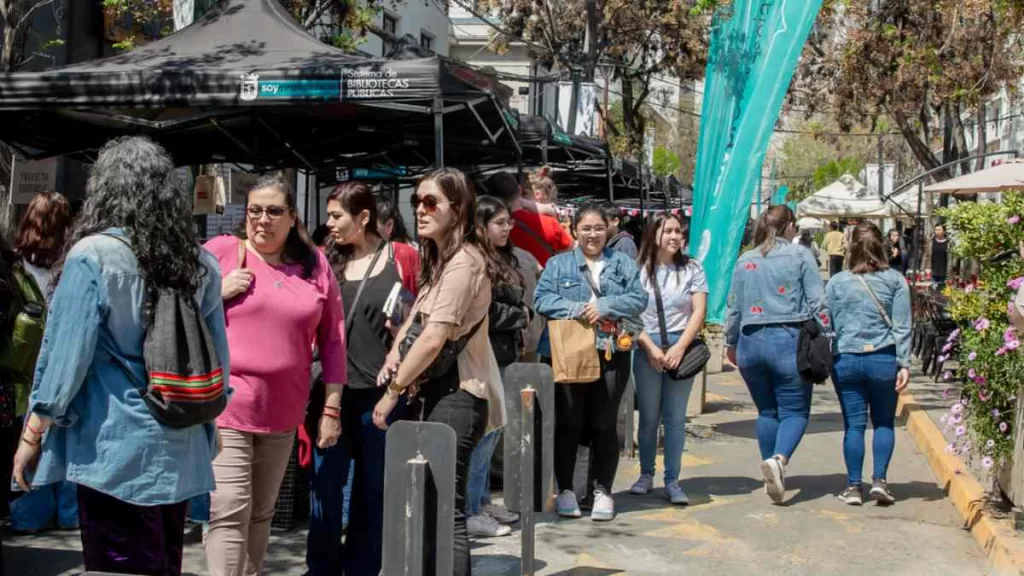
{"x": 771, "y": 226}
{"x": 501, "y": 262}
{"x": 298, "y": 247}
{"x": 459, "y": 193}
{"x": 651, "y": 243}
{"x": 44, "y": 229}
{"x": 354, "y": 197}
{"x": 867, "y": 249}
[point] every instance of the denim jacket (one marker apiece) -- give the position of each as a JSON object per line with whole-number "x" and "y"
{"x": 563, "y": 291}
{"x": 860, "y": 328}
{"x": 103, "y": 435}
{"x": 782, "y": 287}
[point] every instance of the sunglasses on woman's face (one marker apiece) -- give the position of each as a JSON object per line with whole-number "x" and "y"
{"x": 272, "y": 212}
{"x": 430, "y": 203}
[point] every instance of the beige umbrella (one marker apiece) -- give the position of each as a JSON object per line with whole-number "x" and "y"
{"x": 1006, "y": 176}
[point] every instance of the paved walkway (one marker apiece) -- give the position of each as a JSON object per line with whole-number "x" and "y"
{"x": 731, "y": 527}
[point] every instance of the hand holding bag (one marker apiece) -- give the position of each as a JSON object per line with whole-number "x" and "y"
{"x": 574, "y": 356}
{"x": 697, "y": 353}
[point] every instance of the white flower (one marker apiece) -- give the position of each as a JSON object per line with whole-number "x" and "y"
{"x": 961, "y": 430}
{"x": 990, "y": 444}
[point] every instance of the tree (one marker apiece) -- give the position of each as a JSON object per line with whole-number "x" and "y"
{"x": 639, "y": 39}
{"x": 665, "y": 162}
{"x": 926, "y": 64}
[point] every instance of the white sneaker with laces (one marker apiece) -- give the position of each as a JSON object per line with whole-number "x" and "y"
{"x": 675, "y": 494}
{"x": 604, "y": 507}
{"x": 483, "y": 526}
{"x": 643, "y": 485}
{"x": 566, "y": 505}
{"x": 774, "y": 479}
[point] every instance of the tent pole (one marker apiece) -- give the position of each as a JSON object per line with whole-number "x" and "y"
{"x": 608, "y": 174}
{"x": 305, "y": 208}
{"x": 544, "y": 151}
{"x": 919, "y": 227}
{"x": 438, "y": 131}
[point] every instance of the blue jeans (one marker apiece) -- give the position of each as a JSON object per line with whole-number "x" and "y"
{"x": 478, "y": 492}
{"x": 35, "y": 511}
{"x": 661, "y": 399}
{"x": 326, "y": 509}
{"x": 767, "y": 361}
{"x": 867, "y": 382}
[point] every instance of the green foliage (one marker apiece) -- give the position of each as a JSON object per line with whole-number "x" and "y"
{"x": 990, "y": 363}
{"x": 830, "y": 171}
{"x": 665, "y": 162}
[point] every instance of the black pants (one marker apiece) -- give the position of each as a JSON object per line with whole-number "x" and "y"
{"x": 591, "y": 410}
{"x": 445, "y": 402}
{"x": 835, "y": 265}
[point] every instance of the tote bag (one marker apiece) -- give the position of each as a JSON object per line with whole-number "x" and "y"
{"x": 574, "y": 356}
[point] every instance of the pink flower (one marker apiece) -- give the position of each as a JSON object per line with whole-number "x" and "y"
{"x": 983, "y": 397}
{"x": 956, "y": 419}
{"x": 1004, "y": 427}
{"x": 1013, "y": 344}
{"x": 981, "y": 324}
{"x": 980, "y": 381}
{"x": 1013, "y": 220}
{"x": 971, "y": 373}
{"x": 995, "y": 412}
{"x": 1015, "y": 283}
{"x": 1008, "y": 335}
{"x": 947, "y": 348}
{"x": 953, "y": 335}
{"x": 961, "y": 430}
{"x": 1001, "y": 352}
{"x": 957, "y": 408}
{"x": 943, "y": 358}
{"x": 972, "y": 356}
{"x": 945, "y": 394}
{"x": 947, "y": 375}
{"x": 987, "y": 462}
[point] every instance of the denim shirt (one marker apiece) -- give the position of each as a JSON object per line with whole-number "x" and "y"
{"x": 103, "y": 435}
{"x": 782, "y": 287}
{"x": 563, "y": 291}
{"x": 859, "y": 326}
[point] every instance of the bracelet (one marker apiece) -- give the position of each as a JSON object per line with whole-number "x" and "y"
{"x": 33, "y": 430}
{"x": 329, "y": 415}
{"x": 396, "y": 389}
{"x": 332, "y": 411}
{"x": 31, "y": 442}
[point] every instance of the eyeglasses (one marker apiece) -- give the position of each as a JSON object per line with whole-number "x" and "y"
{"x": 588, "y": 231}
{"x": 503, "y": 223}
{"x": 430, "y": 203}
{"x": 272, "y": 212}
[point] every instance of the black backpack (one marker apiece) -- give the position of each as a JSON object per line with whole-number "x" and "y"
{"x": 185, "y": 379}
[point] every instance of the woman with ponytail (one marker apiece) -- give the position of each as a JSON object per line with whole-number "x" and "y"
{"x": 776, "y": 287}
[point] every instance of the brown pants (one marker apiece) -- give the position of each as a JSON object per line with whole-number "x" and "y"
{"x": 249, "y": 471}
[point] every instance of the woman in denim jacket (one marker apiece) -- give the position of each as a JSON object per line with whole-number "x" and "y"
{"x": 564, "y": 292}
{"x": 87, "y": 423}
{"x": 871, "y": 307}
{"x": 775, "y": 288}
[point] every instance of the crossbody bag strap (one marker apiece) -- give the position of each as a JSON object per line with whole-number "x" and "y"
{"x": 544, "y": 245}
{"x": 874, "y": 298}
{"x": 662, "y": 328}
{"x": 590, "y": 280}
{"x": 359, "y": 292}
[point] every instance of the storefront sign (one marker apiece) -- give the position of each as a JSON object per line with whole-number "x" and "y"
{"x": 30, "y": 177}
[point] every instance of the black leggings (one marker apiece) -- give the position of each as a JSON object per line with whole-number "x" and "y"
{"x": 591, "y": 409}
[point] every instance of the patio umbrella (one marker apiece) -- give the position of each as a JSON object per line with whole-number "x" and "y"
{"x": 1006, "y": 176}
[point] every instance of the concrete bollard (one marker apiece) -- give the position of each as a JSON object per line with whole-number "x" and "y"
{"x": 527, "y": 465}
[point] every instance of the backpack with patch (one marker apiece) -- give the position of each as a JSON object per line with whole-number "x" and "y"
{"x": 185, "y": 384}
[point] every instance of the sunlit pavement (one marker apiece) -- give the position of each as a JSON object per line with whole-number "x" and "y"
{"x": 730, "y": 527}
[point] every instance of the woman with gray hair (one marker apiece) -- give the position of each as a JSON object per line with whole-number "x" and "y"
{"x": 87, "y": 422}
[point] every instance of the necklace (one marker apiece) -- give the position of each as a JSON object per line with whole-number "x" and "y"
{"x": 280, "y": 281}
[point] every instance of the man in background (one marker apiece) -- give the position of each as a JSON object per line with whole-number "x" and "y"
{"x": 834, "y": 245}
{"x": 539, "y": 234}
{"x": 618, "y": 239}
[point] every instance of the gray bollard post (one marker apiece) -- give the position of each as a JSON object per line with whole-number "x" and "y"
{"x": 416, "y": 532}
{"x": 527, "y": 431}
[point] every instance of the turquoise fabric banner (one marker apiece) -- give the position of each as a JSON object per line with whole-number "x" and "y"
{"x": 780, "y": 195}
{"x": 755, "y": 45}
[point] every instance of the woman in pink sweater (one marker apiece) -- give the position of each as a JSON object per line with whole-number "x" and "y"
{"x": 280, "y": 300}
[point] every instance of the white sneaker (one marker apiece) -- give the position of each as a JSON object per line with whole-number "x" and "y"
{"x": 566, "y": 505}
{"x": 643, "y": 485}
{"x": 675, "y": 494}
{"x": 774, "y": 479}
{"x": 604, "y": 507}
{"x": 483, "y": 526}
{"x": 501, "y": 514}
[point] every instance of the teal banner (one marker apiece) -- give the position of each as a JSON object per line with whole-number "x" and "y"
{"x": 755, "y": 45}
{"x": 780, "y": 195}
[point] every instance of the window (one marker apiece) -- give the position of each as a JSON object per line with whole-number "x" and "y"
{"x": 390, "y": 24}
{"x": 427, "y": 41}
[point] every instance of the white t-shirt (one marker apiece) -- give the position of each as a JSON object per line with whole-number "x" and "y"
{"x": 595, "y": 268}
{"x": 677, "y": 288}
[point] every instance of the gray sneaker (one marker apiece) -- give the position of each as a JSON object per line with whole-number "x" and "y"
{"x": 566, "y": 505}
{"x": 880, "y": 493}
{"x": 852, "y": 495}
{"x": 604, "y": 507}
{"x": 675, "y": 494}
{"x": 774, "y": 479}
{"x": 643, "y": 485}
{"x": 501, "y": 514}
{"x": 483, "y": 526}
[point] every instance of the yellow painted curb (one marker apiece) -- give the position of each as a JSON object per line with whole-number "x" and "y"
{"x": 996, "y": 537}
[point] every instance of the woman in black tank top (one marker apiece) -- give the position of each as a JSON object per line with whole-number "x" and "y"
{"x": 367, "y": 273}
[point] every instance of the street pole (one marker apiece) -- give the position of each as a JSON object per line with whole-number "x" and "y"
{"x": 881, "y": 168}
{"x": 574, "y": 102}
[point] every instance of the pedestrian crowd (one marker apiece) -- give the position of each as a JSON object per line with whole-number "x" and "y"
{"x": 160, "y": 371}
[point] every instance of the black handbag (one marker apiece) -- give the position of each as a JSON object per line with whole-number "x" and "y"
{"x": 697, "y": 353}
{"x": 814, "y": 353}
{"x": 448, "y": 355}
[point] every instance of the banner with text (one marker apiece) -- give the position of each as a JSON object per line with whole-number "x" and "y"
{"x": 755, "y": 45}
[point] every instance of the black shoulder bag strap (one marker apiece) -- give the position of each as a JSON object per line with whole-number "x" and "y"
{"x": 590, "y": 280}
{"x": 522, "y": 226}
{"x": 362, "y": 284}
{"x": 662, "y": 328}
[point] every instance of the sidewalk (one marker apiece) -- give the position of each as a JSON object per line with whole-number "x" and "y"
{"x": 730, "y": 528}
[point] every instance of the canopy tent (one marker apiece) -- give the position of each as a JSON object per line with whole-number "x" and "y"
{"x": 846, "y": 198}
{"x": 809, "y": 223}
{"x": 245, "y": 83}
{"x": 1006, "y": 176}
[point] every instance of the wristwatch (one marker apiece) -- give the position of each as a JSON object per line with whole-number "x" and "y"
{"x": 398, "y": 390}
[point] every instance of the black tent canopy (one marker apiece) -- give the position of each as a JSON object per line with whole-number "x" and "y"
{"x": 245, "y": 83}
